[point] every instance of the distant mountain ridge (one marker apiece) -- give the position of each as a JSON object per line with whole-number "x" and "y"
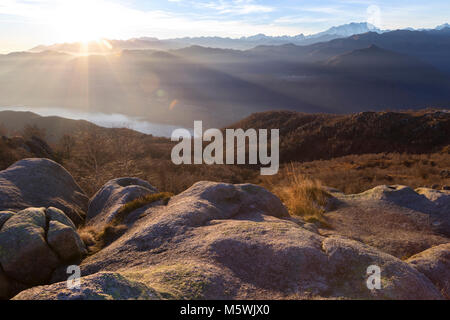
{"x": 431, "y": 46}
{"x": 243, "y": 43}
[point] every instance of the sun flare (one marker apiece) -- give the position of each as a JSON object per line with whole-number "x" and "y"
{"x": 84, "y": 21}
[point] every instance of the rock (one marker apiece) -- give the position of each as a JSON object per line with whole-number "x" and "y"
{"x": 101, "y": 286}
{"x": 9, "y": 287}
{"x": 4, "y": 286}
{"x": 41, "y": 183}
{"x": 311, "y": 227}
{"x": 403, "y": 196}
{"x": 54, "y": 214}
{"x": 435, "y": 264}
{"x": 395, "y": 219}
{"x": 24, "y": 253}
{"x": 349, "y": 259}
{"x": 107, "y": 201}
{"x": 65, "y": 241}
{"x": 440, "y": 219}
{"x": 4, "y": 216}
{"x": 222, "y": 241}
{"x": 33, "y": 243}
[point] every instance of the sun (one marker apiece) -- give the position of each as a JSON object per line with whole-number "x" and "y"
{"x": 83, "y": 21}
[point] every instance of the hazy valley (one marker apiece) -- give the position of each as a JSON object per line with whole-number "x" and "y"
{"x": 88, "y": 181}
{"x": 392, "y": 70}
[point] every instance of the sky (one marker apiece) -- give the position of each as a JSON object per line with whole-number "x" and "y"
{"x": 27, "y": 23}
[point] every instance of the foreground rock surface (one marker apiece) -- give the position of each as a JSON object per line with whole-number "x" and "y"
{"x": 41, "y": 183}
{"x": 100, "y": 286}
{"x": 222, "y": 241}
{"x": 395, "y": 219}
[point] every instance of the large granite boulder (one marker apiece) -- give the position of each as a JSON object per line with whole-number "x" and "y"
{"x": 41, "y": 183}
{"x": 109, "y": 199}
{"x": 222, "y": 241}
{"x": 435, "y": 264}
{"x": 36, "y": 241}
{"x": 24, "y": 253}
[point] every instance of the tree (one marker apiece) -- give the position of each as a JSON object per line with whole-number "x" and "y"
{"x": 30, "y": 131}
{"x": 67, "y": 144}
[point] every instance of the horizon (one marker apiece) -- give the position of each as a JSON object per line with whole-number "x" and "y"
{"x": 27, "y": 24}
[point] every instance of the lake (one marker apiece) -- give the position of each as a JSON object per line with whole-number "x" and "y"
{"x": 104, "y": 120}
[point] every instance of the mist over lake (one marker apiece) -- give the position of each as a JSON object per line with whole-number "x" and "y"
{"x": 114, "y": 120}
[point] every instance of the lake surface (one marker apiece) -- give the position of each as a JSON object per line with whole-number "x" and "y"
{"x": 104, "y": 120}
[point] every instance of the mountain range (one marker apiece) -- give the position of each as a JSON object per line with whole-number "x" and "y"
{"x": 372, "y": 71}
{"x": 242, "y": 43}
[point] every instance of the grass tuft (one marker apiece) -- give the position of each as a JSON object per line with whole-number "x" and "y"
{"x": 96, "y": 240}
{"x": 138, "y": 203}
{"x": 304, "y": 197}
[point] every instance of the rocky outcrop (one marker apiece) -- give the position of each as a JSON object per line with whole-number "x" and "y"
{"x": 222, "y": 241}
{"x": 395, "y": 219}
{"x": 433, "y": 202}
{"x": 41, "y": 183}
{"x": 217, "y": 241}
{"x": 107, "y": 201}
{"x": 33, "y": 243}
{"x": 435, "y": 264}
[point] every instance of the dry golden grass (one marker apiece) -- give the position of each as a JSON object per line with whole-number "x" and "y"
{"x": 302, "y": 196}
{"x": 140, "y": 202}
{"x": 358, "y": 173}
{"x": 119, "y": 154}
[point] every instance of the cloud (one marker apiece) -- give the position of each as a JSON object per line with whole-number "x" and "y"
{"x": 374, "y": 15}
{"x": 74, "y": 20}
{"x": 237, "y": 7}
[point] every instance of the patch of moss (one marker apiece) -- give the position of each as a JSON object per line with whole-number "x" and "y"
{"x": 140, "y": 202}
{"x": 96, "y": 240}
{"x": 319, "y": 221}
{"x": 178, "y": 281}
{"x": 251, "y": 188}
